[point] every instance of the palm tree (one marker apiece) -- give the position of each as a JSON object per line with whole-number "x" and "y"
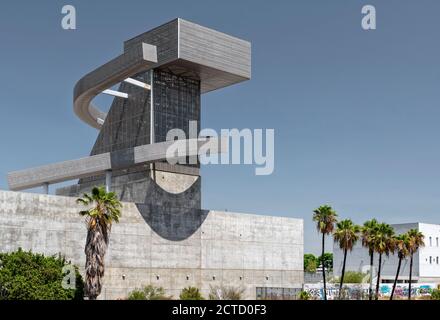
{"x": 415, "y": 242}
{"x": 346, "y": 234}
{"x": 401, "y": 245}
{"x": 383, "y": 244}
{"x": 105, "y": 209}
{"x": 368, "y": 231}
{"x": 325, "y": 218}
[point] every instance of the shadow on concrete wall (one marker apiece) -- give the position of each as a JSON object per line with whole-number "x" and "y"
{"x": 174, "y": 224}
{"x": 156, "y": 196}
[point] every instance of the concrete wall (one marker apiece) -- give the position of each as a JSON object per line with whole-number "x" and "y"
{"x": 142, "y": 185}
{"x": 172, "y": 249}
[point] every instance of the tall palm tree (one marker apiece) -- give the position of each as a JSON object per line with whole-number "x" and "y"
{"x": 415, "y": 242}
{"x": 105, "y": 209}
{"x": 368, "y": 231}
{"x": 401, "y": 246}
{"x": 346, "y": 235}
{"x": 325, "y": 218}
{"x": 383, "y": 244}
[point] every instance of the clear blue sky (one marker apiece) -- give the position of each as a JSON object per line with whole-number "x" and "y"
{"x": 356, "y": 114}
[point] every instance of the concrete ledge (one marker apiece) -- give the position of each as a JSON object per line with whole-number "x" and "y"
{"x": 98, "y": 164}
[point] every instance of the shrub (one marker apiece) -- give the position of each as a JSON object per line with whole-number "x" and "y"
{"x": 31, "y": 276}
{"x": 191, "y": 293}
{"x": 435, "y": 294}
{"x": 148, "y": 293}
{"x": 352, "y": 277}
{"x": 304, "y": 295}
{"x": 225, "y": 293}
{"x": 310, "y": 262}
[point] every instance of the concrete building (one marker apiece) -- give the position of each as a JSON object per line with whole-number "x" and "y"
{"x": 426, "y": 266}
{"x": 164, "y": 238}
{"x": 172, "y": 249}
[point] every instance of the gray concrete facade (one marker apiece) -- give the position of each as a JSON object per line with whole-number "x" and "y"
{"x": 168, "y": 248}
{"x": 148, "y": 186}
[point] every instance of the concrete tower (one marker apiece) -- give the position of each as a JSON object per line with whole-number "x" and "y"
{"x": 191, "y": 60}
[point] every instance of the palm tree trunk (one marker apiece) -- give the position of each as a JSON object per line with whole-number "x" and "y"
{"x": 370, "y": 291}
{"x": 343, "y": 273}
{"x": 410, "y": 276}
{"x": 397, "y": 277}
{"x": 96, "y": 247}
{"x": 323, "y": 266}
{"x": 378, "y": 276}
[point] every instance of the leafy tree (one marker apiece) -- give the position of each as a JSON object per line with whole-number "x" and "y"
{"x": 310, "y": 262}
{"x": 326, "y": 260}
{"x": 325, "y": 218}
{"x": 369, "y": 230}
{"x": 225, "y": 293}
{"x": 383, "y": 244}
{"x": 401, "y": 246}
{"x": 415, "y": 241}
{"x": 105, "y": 209}
{"x": 33, "y": 276}
{"x": 346, "y": 235}
{"x": 191, "y": 293}
{"x": 148, "y": 293}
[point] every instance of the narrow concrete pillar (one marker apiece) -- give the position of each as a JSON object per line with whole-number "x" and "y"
{"x": 108, "y": 180}
{"x": 46, "y": 188}
{"x": 152, "y": 138}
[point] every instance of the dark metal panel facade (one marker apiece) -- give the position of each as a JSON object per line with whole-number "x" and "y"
{"x": 176, "y": 102}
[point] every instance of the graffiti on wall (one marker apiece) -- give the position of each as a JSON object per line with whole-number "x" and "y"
{"x": 360, "y": 291}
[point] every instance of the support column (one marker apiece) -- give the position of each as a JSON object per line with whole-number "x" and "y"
{"x": 152, "y": 137}
{"x": 46, "y": 188}
{"x": 108, "y": 180}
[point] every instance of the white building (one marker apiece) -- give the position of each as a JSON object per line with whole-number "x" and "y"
{"x": 426, "y": 267}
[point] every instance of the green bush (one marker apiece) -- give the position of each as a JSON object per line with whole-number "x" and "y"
{"x": 310, "y": 262}
{"x": 191, "y": 293}
{"x": 435, "y": 294}
{"x": 31, "y": 276}
{"x": 148, "y": 293}
{"x": 354, "y": 277}
{"x": 225, "y": 293}
{"x": 304, "y": 295}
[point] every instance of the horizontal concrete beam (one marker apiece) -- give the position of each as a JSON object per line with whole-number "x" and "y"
{"x": 99, "y": 164}
{"x": 138, "y": 83}
{"x": 115, "y": 93}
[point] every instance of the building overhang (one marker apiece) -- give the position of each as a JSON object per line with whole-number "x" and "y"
{"x": 216, "y": 59}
